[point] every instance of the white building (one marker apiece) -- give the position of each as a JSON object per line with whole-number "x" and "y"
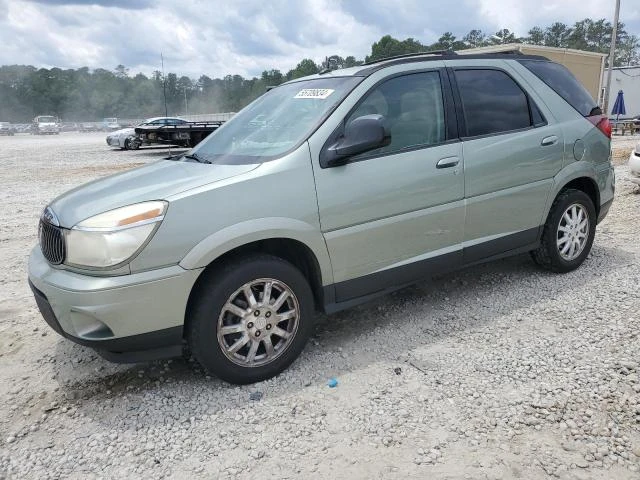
{"x": 626, "y": 79}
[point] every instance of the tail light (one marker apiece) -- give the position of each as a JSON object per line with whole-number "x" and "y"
{"x": 602, "y": 123}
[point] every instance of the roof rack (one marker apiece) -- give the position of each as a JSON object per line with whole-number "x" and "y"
{"x": 417, "y": 54}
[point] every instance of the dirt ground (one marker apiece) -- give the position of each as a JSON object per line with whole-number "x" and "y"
{"x": 496, "y": 372}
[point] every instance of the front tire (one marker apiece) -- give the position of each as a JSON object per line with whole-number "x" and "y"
{"x": 127, "y": 144}
{"x": 568, "y": 233}
{"x": 250, "y": 319}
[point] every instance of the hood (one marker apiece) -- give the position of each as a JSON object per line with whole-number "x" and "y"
{"x": 156, "y": 181}
{"x": 124, "y": 131}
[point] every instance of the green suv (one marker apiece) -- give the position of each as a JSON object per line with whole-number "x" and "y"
{"x": 323, "y": 193}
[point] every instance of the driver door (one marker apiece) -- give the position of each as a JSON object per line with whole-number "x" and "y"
{"x": 396, "y": 214}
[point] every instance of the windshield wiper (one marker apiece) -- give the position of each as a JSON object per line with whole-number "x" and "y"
{"x": 196, "y": 157}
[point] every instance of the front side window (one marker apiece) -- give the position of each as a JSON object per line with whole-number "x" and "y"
{"x": 276, "y": 122}
{"x": 492, "y": 102}
{"x": 413, "y": 108}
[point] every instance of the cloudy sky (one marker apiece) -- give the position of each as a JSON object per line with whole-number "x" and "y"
{"x": 217, "y": 37}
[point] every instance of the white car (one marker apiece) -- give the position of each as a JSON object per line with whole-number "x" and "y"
{"x": 126, "y": 137}
{"x": 634, "y": 164}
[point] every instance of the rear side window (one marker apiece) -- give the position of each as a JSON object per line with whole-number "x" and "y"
{"x": 492, "y": 102}
{"x": 564, "y": 84}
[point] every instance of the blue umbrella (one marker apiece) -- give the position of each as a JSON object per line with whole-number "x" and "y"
{"x": 618, "y": 106}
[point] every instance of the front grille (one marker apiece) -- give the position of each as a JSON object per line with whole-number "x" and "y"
{"x": 52, "y": 243}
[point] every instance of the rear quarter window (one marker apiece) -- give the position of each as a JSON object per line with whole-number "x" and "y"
{"x": 562, "y": 81}
{"x": 492, "y": 102}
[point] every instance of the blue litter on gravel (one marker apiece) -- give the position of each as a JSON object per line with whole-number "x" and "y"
{"x": 332, "y": 383}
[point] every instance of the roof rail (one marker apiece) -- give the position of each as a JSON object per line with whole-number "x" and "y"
{"x": 417, "y": 54}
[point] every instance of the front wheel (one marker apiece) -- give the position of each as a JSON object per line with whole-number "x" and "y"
{"x": 250, "y": 318}
{"x": 568, "y": 233}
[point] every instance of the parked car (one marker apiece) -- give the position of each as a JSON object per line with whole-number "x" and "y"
{"x": 88, "y": 127}
{"x": 323, "y": 193}
{"x": 126, "y": 138}
{"x": 69, "y": 127}
{"x": 634, "y": 164}
{"x": 45, "y": 125}
{"x": 110, "y": 124}
{"x": 7, "y": 129}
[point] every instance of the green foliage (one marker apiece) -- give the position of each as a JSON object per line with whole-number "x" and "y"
{"x": 388, "y": 46}
{"x": 79, "y": 95}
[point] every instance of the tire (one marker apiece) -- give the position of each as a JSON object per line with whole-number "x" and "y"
{"x": 127, "y": 144}
{"x": 551, "y": 253}
{"x": 226, "y": 285}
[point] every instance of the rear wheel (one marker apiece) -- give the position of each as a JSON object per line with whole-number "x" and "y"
{"x": 250, "y": 319}
{"x": 568, "y": 233}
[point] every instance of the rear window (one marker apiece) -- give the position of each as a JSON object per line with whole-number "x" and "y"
{"x": 564, "y": 84}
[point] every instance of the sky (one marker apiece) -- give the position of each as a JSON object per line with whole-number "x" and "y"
{"x": 245, "y": 37}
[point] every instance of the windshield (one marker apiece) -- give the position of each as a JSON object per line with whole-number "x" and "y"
{"x": 276, "y": 122}
{"x": 46, "y": 119}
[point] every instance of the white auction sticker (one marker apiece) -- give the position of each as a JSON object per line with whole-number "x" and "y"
{"x": 314, "y": 93}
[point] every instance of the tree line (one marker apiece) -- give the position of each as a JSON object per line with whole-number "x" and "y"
{"x": 84, "y": 94}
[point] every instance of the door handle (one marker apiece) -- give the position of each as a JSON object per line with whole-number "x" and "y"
{"x": 550, "y": 140}
{"x": 447, "y": 162}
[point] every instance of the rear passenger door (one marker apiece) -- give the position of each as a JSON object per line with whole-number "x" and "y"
{"x": 511, "y": 152}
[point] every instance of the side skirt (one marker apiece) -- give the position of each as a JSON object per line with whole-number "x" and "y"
{"x": 350, "y": 293}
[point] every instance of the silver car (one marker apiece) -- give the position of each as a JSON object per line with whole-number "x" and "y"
{"x": 126, "y": 138}
{"x": 323, "y": 193}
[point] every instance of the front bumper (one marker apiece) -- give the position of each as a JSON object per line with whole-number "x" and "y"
{"x": 127, "y": 318}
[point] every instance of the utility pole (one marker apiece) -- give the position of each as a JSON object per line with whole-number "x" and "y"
{"x": 612, "y": 56}
{"x": 164, "y": 86}
{"x": 186, "y": 107}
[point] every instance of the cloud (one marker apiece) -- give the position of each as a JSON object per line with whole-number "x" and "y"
{"x": 245, "y": 37}
{"x": 128, "y": 4}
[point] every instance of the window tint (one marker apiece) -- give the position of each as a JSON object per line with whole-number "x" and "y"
{"x": 413, "y": 108}
{"x": 563, "y": 83}
{"x": 492, "y": 102}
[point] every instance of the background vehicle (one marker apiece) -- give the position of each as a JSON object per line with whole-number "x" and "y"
{"x": 45, "y": 125}
{"x": 323, "y": 193}
{"x": 175, "y": 132}
{"x": 126, "y": 138}
{"x": 7, "y": 129}
{"x": 110, "y": 124}
{"x": 88, "y": 127}
{"x": 634, "y": 164}
{"x": 69, "y": 127}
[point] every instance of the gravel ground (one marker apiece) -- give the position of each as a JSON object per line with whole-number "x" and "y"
{"x": 499, "y": 371}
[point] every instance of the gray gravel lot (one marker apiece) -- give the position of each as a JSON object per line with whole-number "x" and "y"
{"x": 499, "y": 371}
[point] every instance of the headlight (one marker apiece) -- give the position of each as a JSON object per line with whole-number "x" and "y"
{"x": 113, "y": 237}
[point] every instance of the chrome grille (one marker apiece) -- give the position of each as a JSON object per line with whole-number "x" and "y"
{"x": 51, "y": 242}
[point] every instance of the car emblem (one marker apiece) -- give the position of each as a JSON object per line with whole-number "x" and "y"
{"x": 50, "y": 217}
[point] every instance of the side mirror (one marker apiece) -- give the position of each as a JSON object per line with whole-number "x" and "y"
{"x": 361, "y": 135}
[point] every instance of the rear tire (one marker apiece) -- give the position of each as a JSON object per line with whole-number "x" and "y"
{"x": 568, "y": 233}
{"x": 241, "y": 339}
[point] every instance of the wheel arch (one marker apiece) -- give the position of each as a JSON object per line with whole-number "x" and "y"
{"x": 579, "y": 178}
{"x": 302, "y": 246}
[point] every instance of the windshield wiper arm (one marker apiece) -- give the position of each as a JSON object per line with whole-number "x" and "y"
{"x": 196, "y": 157}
